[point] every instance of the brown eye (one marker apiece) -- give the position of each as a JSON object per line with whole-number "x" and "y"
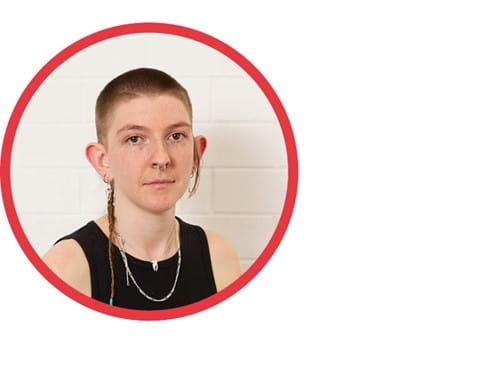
{"x": 134, "y": 139}
{"x": 177, "y": 136}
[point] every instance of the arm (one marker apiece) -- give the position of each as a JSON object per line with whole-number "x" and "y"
{"x": 67, "y": 260}
{"x": 225, "y": 262}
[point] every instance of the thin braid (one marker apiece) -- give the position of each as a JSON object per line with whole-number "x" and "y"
{"x": 111, "y": 222}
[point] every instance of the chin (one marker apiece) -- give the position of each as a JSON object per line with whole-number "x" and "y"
{"x": 159, "y": 206}
{"x": 157, "y": 210}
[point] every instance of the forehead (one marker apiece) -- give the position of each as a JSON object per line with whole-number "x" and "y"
{"x": 151, "y": 111}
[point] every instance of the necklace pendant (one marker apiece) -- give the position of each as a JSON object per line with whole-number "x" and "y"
{"x": 154, "y": 263}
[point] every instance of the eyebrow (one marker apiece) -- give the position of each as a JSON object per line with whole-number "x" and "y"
{"x": 180, "y": 124}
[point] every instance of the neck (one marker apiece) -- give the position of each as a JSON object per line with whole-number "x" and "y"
{"x": 148, "y": 236}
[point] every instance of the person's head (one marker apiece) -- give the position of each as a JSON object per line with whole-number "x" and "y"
{"x": 144, "y": 132}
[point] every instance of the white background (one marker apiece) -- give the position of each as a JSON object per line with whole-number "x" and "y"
{"x": 391, "y": 262}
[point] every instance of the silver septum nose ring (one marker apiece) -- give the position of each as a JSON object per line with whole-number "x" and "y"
{"x": 160, "y": 166}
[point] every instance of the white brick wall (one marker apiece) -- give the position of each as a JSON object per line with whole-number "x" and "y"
{"x": 240, "y": 99}
{"x": 250, "y": 145}
{"x": 46, "y": 190}
{"x": 249, "y": 190}
{"x": 243, "y": 179}
{"x": 45, "y": 108}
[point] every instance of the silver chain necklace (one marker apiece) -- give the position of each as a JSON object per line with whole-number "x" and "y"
{"x": 128, "y": 273}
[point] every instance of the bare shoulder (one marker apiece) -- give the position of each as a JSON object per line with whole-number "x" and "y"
{"x": 67, "y": 260}
{"x": 225, "y": 261}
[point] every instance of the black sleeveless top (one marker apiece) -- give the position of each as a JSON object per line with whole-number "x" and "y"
{"x": 195, "y": 281}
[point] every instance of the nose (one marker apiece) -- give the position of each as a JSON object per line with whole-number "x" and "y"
{"x": 160, "y": 158}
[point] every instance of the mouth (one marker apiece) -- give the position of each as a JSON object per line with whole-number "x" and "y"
{"x": 160, "y": 183}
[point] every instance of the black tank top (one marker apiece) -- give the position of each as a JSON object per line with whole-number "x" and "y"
{"x": 195, "y": 282}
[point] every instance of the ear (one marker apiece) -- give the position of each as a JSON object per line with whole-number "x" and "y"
{"x": 200, "y": 142}
{"x": 96, "y": 155}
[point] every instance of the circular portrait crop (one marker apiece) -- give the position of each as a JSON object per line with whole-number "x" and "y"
{"x": 149, "y": 171}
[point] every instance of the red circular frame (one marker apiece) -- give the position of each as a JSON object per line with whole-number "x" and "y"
{"x": 165, "y": 29}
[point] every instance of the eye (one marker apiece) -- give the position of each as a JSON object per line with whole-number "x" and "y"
{"x": 134, "y": 139}
{"x": 176, "y": 137}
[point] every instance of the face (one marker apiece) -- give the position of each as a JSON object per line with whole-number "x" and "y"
{"x": 144, "y": 133}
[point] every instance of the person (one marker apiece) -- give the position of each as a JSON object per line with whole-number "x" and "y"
{"x": 140, "y": 255}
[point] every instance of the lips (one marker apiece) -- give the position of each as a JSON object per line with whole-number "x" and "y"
{"x": 160, "y": 182}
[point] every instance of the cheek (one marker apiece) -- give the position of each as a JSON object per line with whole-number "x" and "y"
{"x": 133, "y": 155}
{"x": 126, "y": 164}
{"x": 184, "y": 158}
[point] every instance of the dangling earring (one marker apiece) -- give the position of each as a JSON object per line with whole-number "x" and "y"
{"x": 109, "y": 190}
{"x": 111, "y": 221}
{"x": 191, "y": 189}
{"x": 109, "y": 194}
